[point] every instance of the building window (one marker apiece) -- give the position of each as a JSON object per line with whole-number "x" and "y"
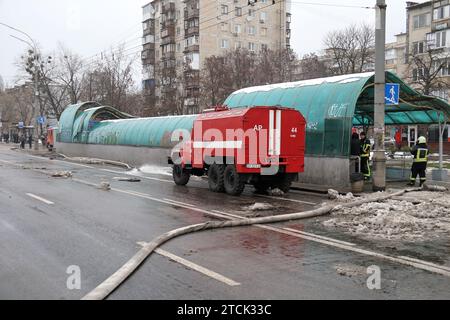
{"x": 238, "y": 11}
{"x": 178, "y": 31}
{"x": 251, "y": 47}
{"x": 224, "y": 9}
{"x": 237, "y": 28}
{"x": 237, "y": 45}
{"x": 262, "y": 17}
{"x": 251, "y": 12}
{"x": 422, "y": 20}
{"x": 441, "y": 39}
{"x": 264, "y": 32}
{"x": 252, "y": 30}
{"x": 419, "y": 47}
{"x": 224, "y": 44}
{"x": 224, "y": 26}
{"x": 441, "y": 13}
{"x": 418, "y": 74}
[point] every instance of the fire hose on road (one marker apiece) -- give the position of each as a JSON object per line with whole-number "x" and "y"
{"x": 114, "y": 281}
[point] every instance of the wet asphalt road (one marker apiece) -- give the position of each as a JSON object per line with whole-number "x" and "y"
{"x": 48, "y": 224}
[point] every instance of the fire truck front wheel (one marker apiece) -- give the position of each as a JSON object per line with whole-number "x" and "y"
{"x": 234, "y": 182}
{"x": 215, "y": 177}
{"x": 180, "y": 176}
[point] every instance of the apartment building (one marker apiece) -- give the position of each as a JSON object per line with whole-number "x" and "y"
{"x": 427, "y": 39}
{"x": 422, "y": 50}
{"x": 178, "y": 35}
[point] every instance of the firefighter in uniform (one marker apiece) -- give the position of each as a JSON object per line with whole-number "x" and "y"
{"x": 365, "y": 155}
{"x": 419, "y": 166}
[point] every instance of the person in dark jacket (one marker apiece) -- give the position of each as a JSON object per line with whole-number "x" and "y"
{"x": 30, "y": 140}
{"x": 22, "y": 142}
{"x": 355, "y": 149}
{"x": 365, "y": 155}
{"x": 420, "y": 152}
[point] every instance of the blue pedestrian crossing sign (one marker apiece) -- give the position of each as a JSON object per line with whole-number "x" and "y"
{"x": 41, "y": 120}
{"x": 392, "y": 94}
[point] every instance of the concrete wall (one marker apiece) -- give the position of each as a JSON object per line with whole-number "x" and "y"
{"x": 134, "y": 156}
{"x": 324, "y": 171}
{"x": 328, "y": 172}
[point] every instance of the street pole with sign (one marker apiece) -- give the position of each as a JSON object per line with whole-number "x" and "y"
{"x": 379, "y": 159}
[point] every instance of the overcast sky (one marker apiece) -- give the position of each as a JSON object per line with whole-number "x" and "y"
{"x": 90, "y": 26}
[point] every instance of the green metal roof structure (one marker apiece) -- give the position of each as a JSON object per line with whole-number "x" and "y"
{"x": 332, "y": 106}
{"x": 94, "y": 124}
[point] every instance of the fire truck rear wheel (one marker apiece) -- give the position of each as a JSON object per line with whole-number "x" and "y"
{"x": 180, "y": 175}
{"x": 215, "y": 177}
{"x": 234, "y": 183}
{"x": 284, "y": 182}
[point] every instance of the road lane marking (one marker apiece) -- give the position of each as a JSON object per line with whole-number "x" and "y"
{"x": 193, "y": 266}
{"x": 419, "y": 264}
{"x": 287, "y": 199}
{"x": 39, "y": 198}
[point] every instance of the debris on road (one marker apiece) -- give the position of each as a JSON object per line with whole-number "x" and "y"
{"x": 106, "y": 186}
{"x": 349, "y": 270}
{"x": 426, "y": 215}
{"x": 62, "y": 174}
{"x": 275, "y": 192}
{"x": 121, "y": 179}
{"x": 259, "y": 207}
{"x": 335, "y": 195}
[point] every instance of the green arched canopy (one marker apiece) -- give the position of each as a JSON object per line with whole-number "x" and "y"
{"x": 332, "y": 106}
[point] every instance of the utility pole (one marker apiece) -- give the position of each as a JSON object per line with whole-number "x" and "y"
{"x": 379, "y": 158}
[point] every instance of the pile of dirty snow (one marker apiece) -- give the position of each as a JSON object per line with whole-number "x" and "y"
{"x": 416, "y": 216}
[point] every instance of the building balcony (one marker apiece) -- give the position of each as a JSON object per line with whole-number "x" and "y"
{"x": 191, "y": 31}
{"x": 168, "y": 55}
{"x": 168, "y": 31}
{"x": 167, "y": 40}
{"x": 149, "y": 47}
{"x": 168, "y": 7}
{"x": 192, "y": 49}
{"x": 191, "y": 14}
{"x": 167, "y": 89}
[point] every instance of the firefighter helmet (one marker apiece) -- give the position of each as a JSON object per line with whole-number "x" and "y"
{"x": 422, "y": 139}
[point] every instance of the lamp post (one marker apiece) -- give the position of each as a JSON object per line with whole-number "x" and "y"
{"x": 33, "y": 46}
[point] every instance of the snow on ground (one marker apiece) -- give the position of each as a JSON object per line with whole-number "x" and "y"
{"x": 416, "y": 216}
{"x": 259, "y": 207}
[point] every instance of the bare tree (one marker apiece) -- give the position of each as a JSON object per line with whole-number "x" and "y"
{"x": 109, "y": 80}
{"x": 425, "y": 69}
{"x": 2, "y": 84}
{"x": 350, "y": 50}
{"x": 70, "y": 73}
{"x": 311, "y": 67}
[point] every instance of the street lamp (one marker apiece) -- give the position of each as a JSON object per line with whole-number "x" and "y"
{"x": 34, "y": 48}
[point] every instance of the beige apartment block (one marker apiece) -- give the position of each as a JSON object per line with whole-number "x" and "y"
{"x": 178, "y": 35}
{"x": 427, "y": 33}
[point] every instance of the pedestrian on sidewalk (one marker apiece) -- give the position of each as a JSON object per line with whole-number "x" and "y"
{"x": 22, "y": 142}
{"x": 30, "y": 140}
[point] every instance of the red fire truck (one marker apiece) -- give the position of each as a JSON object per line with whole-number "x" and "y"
{"x": 261, "y": 146}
